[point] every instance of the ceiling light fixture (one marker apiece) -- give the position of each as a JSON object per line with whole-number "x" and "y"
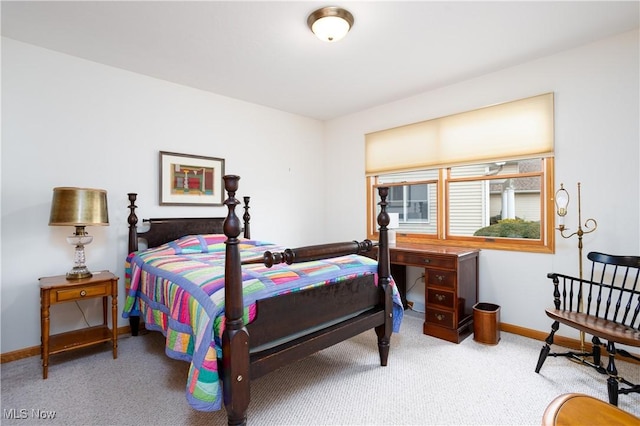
{"x": 330, "y": 23}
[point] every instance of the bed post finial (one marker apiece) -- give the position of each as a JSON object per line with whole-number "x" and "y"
{"x": 383, "y": 221}
{"x": 235, "y": 338}
{"x": 133, "y": 222}
{"x": 383, "y": 216}
{"x": 246, "y": 218}
{"x": 231, "y": 224}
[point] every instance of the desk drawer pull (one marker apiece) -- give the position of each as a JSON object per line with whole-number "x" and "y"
{"x": 83, "y": 293}
{"x": 440, "y": 317}
{"x": 427, "y": 261}
{"x": 440, "y": 278}
{"x": 440, "y": 297}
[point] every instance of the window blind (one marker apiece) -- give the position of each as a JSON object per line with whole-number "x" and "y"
{"x": 511, "y": 130}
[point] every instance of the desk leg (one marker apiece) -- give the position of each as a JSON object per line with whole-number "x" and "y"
{"x": 399, "y": 274}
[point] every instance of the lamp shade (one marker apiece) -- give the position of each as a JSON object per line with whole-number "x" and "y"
{"x": 562, "y": 200}
{"x": 78, "y": 207}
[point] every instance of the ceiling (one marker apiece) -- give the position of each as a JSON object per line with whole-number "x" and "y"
{"x": 263, "y": 52}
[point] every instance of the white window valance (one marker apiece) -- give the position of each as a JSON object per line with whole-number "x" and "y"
{"x": 517, "y": 129}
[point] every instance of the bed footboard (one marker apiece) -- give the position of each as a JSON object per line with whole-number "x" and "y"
{"x": 239, "y": 365}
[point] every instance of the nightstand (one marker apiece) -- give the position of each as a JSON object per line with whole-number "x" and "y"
{"x": 58, "y": 289}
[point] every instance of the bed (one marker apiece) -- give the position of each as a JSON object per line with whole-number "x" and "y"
{"x": 237, "y": 308}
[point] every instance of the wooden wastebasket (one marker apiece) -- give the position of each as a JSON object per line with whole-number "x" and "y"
{"x": 486, "y": 323}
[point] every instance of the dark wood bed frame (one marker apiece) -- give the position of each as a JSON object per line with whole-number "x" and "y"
{"x": 282, "y": 316}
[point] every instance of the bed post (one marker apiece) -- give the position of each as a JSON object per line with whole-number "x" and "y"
{"x": 246, "y": 218}
{"x": 235, "y": 338}
{"x": 134, "y": 321}
{"x": 384, "y": 278}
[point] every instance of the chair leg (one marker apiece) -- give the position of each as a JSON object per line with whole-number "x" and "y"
{"x": 612, "y": 371}
{"x": 544, "y": 352}
{"x": 596, "y": 350}
{"x": 543, "y": 356}
{"x": 612, "y": 389}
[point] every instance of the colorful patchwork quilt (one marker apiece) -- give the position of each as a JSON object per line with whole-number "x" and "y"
{"x": 178, "y": 289}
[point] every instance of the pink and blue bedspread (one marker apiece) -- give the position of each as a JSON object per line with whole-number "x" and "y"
{"x": 178, "y": 289}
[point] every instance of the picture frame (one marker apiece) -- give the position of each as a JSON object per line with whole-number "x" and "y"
{"x": 190, "y": 180}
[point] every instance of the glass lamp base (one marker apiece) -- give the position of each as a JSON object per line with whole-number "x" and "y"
{"x": 79, "y": 239}
{"x": 78, "y": 273}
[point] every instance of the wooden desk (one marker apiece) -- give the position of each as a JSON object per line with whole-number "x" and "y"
{"x": 451, "y": 285}
{"x": 574, "y": 409}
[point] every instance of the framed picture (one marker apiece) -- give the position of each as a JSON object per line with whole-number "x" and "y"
{"x": 190, "y": 180}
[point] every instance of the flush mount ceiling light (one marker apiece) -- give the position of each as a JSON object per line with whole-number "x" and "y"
{"x": 330, "y": 23}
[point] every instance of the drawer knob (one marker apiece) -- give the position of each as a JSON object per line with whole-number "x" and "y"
{"x": 440, "y": 297}
{"x": 427, "y": 261}
{"x": 440, "y": 278}
{"x": 83, "y": 293}
{"x": 440, "y": 317}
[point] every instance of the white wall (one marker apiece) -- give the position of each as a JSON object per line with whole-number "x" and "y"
{"x": 596, "y": 143}
{"x": 71, "y": 122}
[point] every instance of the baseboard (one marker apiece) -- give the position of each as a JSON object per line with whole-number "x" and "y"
{"x": 35, "y": 350}
{"x": 507, "y": 328}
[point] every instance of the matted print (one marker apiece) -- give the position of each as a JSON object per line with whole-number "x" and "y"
{"x": 190, "y": 180}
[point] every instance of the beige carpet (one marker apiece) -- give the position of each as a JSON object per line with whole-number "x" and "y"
{"x": 428, "y": 381}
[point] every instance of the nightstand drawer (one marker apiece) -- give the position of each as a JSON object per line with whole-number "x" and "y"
{"x": 441, "y": 318}
{"x": 445, "y": 299}
{"x": 419, "y": 259}
{"x": 77, "y": 293}
{"x": 440, "y": 278}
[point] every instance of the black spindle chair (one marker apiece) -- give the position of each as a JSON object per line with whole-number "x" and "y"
{"x": 607, "y": 307}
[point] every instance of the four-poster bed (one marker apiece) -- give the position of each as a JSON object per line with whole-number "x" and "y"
{"x": 238, "y": 308}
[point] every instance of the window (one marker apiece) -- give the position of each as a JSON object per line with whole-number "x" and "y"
{"x": 414, "y": 196}
{"x": 501, "y": 205}
{"x": 482, "y": 178}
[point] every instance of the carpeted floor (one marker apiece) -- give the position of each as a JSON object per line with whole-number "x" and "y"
{"x": 427, "y": 381}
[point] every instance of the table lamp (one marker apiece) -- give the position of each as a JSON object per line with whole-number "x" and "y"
{"x": 79, "y": 207}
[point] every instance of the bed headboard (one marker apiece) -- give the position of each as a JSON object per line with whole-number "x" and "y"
{"x": 164, "y": 230}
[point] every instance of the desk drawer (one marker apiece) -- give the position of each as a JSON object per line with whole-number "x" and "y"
{"x": 77, "y": 293}
{"x": 445, "y": 299}
{"x": 441, "y": 318}
{"x": 440, "y": 278}
{"x": 421, "y": 259}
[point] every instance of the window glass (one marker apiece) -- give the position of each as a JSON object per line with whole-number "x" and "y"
{"x": 508, "y": 208}
{"x": 500, "y": 199}
{"x": 500, "y": 204}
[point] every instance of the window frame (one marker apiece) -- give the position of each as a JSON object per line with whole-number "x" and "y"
{"x": 546, "y": 243}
